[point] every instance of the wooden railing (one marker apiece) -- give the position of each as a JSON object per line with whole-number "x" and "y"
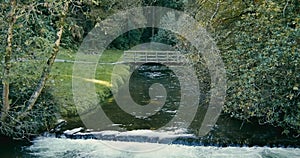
{"x": 144, "y": 56}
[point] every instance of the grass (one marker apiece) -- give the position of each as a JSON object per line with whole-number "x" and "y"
{"x": 61, "y": 78}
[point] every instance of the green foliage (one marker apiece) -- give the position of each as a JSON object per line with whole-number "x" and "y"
{"x": 261, "y": 52}
{"x": 128, "y": 39}
{"x": 171, "y": 38}
{"x": 39, "y": 119}
{"x": 34, "y": 33}
{"x": 61, "y": 79}
{"x": 259, "y": 43}
{"x": 120, "y": 76}
{"x": 84, "y": 15}
{"x": 174, "y": 4}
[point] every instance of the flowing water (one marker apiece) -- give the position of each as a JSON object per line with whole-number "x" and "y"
{"x": 65, "y": 148}
{"x": 236, "y": 135}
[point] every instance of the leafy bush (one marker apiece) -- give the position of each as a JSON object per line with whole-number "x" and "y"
{"x": 259, "y": 43}
{"x": 262, "y": 62}
{"x": 41, "y": 117}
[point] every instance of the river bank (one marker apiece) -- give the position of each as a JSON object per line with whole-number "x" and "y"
{"x": 229, "y": 137}
{"x": 227, "y": 132}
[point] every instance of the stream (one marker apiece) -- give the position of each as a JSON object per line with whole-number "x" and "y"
{"x": 53, "y": 147}
{"x": 78, "y": 148}
{"x": 229, "y": 137}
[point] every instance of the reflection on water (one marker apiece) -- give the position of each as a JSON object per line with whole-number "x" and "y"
{"x": 11, "y": 148}
{"x": 229, "y": 132}
{"x": 140, "y": 83}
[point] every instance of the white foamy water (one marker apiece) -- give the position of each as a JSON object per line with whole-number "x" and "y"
{"x": 90, "y": 148}
{"x": 150, "y": 136}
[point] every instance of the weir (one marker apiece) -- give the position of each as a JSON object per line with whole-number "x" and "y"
{"x": 149, "y": 136}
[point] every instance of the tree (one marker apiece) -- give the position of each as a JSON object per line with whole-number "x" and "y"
{"x": 29, "y": 35}
{"x": 31, "y": 32}
{"x": 259, "y": 41}
{"x": 7, "y": 58}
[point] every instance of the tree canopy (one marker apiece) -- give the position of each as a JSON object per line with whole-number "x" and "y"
{"x": 259, "y": 42}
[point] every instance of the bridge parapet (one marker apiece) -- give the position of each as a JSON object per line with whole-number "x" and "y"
{"x": 151, "y": 56}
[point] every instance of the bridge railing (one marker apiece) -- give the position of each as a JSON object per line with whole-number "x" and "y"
{"x": 143, "y": 56}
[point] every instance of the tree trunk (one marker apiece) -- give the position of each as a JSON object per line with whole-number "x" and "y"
{"x": 7, "y": 58}
{"x": 46, "y": 72}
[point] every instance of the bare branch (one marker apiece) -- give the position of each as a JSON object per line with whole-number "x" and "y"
{"x": 216, "y": 12}
{"x": 285, "y": 6}
{"x": 47, "y": 69}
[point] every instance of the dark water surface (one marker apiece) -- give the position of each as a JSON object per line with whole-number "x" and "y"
{"x": 229, "y": 137}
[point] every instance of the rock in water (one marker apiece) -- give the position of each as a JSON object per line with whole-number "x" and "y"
{"x": 57, "y": 127}
{"x": 73, "y": 131}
